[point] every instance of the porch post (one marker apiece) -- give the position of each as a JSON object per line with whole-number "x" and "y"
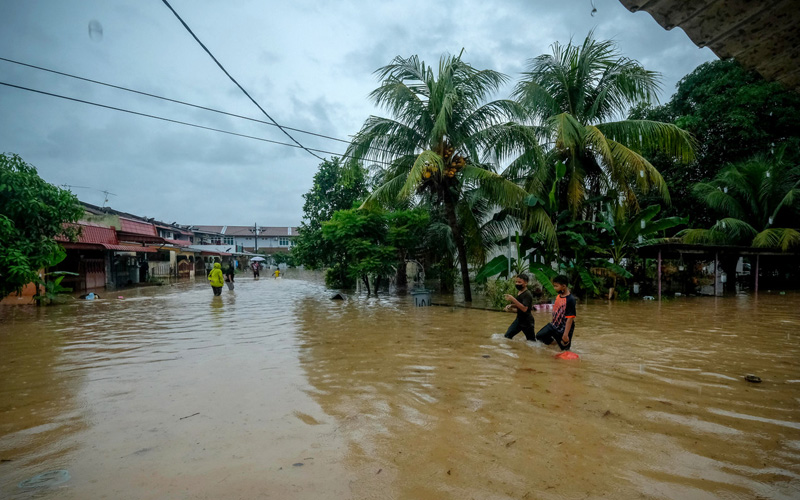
{"x": 757, "y": 257}
{"x": 716, "y": 272}
{"x": 659, "y": 274}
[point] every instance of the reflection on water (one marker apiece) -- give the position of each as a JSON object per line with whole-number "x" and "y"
{"x": 173, "y": 393}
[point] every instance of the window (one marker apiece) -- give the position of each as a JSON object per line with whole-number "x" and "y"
{"x": 228, "y": 240}
{"x": 284, "y": 241}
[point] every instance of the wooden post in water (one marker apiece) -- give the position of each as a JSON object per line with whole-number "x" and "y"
{"x": 659, "y": 274}
{"x": 716, "y": 272}
{"x": 757, "y": 257}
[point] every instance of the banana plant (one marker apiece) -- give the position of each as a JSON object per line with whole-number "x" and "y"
{"x": 51, "y": 290}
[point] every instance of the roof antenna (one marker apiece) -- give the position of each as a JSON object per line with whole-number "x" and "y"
{"x": 104, "y": 191}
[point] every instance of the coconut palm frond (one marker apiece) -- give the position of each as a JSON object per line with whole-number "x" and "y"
{"x": 598, "y": 142}
{"x": 568, "y": 131}
{"x": 629, "y": 165}
{"x": 382, "y": 140}
{"x": 790, "y": 200}
{"x": 385, "y": 193}
{"x": 783, "y": 238}
{"x": 427, "y": 160}
{"x": 502, "y": 191}
{"x": 643, "y": 135}
{"x": 505, "y": 141}
{"x": 704, "y": 237}
{"x": 717, "y": 199}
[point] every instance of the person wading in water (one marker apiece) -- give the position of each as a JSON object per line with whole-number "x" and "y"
{"x": 216, "y": 279}
{"x": 522, "y": 303}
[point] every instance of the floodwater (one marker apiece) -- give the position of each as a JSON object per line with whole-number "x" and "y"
{"x": 275, "y": 391}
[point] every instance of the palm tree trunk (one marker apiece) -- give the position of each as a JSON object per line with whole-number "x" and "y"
{"x": 460, "y": 246}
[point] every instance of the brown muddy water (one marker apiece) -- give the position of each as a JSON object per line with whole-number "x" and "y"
{"x": 275, "y": 391}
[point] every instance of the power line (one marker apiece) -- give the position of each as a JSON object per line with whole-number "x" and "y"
{"x": 237, "y": 83}
{"x": 155, "y": 117}
{"x": 155, "y": 96}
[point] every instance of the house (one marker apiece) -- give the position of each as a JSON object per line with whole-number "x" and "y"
{"x": 100, "y": 259}
{"x": 258, "y": 239}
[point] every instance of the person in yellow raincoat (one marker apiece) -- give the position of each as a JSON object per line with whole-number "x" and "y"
{"x": 216, "y": 278}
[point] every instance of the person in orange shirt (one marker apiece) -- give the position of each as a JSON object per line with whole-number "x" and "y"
{"x": 562, "y": 326}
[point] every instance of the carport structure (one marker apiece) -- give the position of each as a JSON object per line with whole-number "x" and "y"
{"x": 677, "y": 249}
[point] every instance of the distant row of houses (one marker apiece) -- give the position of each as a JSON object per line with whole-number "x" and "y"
{"x": 116, "y": 248}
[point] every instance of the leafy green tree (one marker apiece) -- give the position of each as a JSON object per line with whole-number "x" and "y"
{"x": 734, "y": 114}
{"x": 406, "y": 232}
{"x": 443, "y": 139}
{"x": 360, "y": 236}
{"x": 335, "y": 187}
{"x": 283, "y": 258}
{"x": 32, "y": 214}
{"x": 577, "y": 95}
{"x": 758, "y": 202}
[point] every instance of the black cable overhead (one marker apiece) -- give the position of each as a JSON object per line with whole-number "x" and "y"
{"x": 237, "y": 83}
{"x": 205, "y": 108}
{"x": 156, "y": 117}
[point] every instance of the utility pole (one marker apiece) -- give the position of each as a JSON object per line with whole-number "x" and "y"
{"x": 255, "y": 232}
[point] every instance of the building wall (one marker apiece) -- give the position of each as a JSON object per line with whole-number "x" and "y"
{"x": 284, "y": 242}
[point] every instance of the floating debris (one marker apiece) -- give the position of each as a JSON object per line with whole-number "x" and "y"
{"x": 46, "y": 479}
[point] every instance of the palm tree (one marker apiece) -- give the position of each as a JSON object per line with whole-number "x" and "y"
{"x": 578, "y": 95}
{"x": 444, "y": 140}
{"x": 755, "y": 198}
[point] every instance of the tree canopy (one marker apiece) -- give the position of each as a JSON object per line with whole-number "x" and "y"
{"x": 579, "y": 94}
{"x": 32, "y": 214}
{"x": 334, "y": 189}
{"x": 734, "y": 114}
{"x": 444, "y": 137}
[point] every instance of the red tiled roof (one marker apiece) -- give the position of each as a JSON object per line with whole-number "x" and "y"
{"x": 94, "y": 234}
{"x": 136, "y": 227}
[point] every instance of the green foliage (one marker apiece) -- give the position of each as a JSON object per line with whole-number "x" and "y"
{"x": 50, "y": 290}
{"x": 335, "y": 187}
{"x": 734, "y": 114}
{"x": 574, "y": 93}
{"x": 627, "y": 230}
{"x": 758, "y": 202}
{"x": 496, "y": 291}
{"x": 336, "y": 276}
{"x": 444, "y": 138}
{"x": 284, "y": 258}
{"x": 372, "y": 242}
{"x": 32, "y": 214}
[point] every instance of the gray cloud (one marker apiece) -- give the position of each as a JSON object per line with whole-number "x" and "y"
{"x": 309, "y": 63}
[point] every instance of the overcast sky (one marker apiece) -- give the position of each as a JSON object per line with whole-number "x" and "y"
{"x": 309, "y": 64}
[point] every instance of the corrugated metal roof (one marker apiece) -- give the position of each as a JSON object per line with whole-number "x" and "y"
{"x": 263, "y": 231}
{"x": 107, "y": 246}
{"x": 179, "y": 243}
{"x": 208, "y": 229}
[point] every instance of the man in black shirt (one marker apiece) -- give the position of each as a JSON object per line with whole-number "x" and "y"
{"x": 523, "y": 303}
